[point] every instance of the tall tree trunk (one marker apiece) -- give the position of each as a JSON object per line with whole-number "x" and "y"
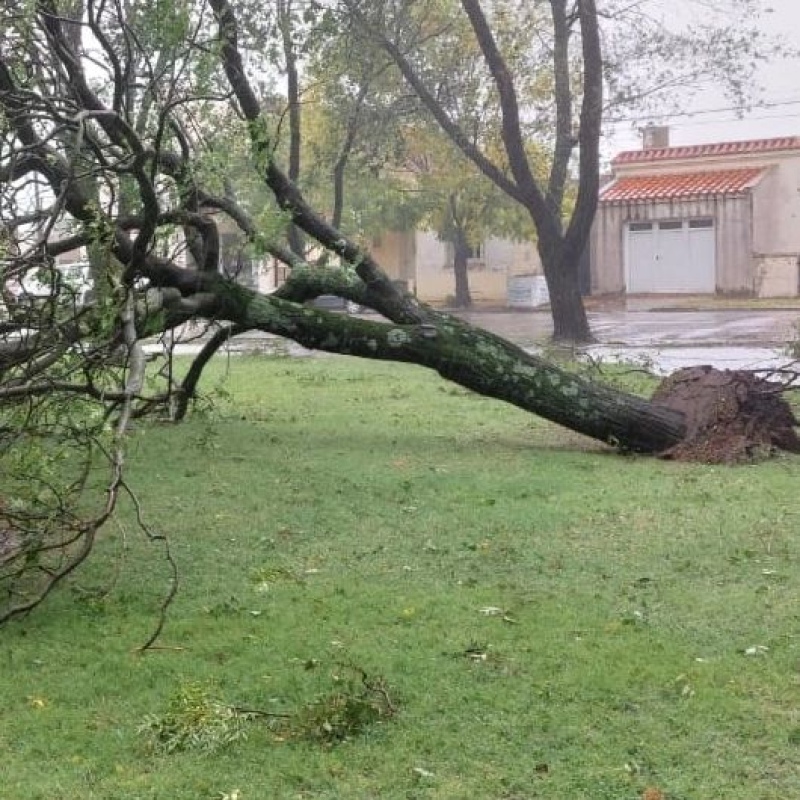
{"x": 461, "y": 254}
{"x": 338, "y": 190}
{"x": 562, "y": 273}
{"x": 344, "y": 154}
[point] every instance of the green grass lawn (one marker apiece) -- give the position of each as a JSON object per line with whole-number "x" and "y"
{"x": 548, "y": 619}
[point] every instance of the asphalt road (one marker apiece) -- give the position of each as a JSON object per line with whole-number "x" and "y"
{"x": 664, "y": 340}
{"x": 659, "y": 328}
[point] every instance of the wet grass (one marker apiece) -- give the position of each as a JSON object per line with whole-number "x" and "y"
{"x": 547, "y": 619}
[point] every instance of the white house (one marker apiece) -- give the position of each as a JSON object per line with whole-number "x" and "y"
{"x": 714, "y": 218}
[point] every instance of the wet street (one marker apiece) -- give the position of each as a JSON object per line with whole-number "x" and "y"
{"x": 660, "y": 338}
{"x": 653, "y": 328}
{"x": 666, "y": 340}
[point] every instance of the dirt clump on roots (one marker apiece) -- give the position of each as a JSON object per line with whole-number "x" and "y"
{"x": 732, "y": 416}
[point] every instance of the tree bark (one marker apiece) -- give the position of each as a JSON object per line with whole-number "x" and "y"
{"x": 461, "y": 253}
{"x": 562, "y": 272}
{"x": 471, "y": 357}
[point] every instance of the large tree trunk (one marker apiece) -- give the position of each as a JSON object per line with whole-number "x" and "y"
{"x": 714, "y": 416}
{"x": 570, "y": 323}
{"x": 471, "y": 357}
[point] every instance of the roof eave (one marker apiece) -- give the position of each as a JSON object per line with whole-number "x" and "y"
{"x": 719, "y": 151}
{"x": 673, "y": 198}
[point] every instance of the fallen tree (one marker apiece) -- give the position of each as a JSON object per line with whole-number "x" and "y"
{"x": 91, "y": 129}
{"x": 120, "y": 164}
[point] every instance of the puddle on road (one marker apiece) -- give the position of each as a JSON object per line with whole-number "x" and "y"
{"x": 665, "y": 360}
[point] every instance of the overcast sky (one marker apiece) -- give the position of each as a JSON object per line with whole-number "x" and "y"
{"x": 781, "y": 81}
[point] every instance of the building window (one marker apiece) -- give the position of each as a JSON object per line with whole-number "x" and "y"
{"x": 474, "y": 256}
{"x": 640, "y": 226}
{"x": 701, "y": 223}
{"x": 670, "y": 225}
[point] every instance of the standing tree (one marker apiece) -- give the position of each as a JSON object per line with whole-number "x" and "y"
{"x": 374, "y": 126}
{"x": 548, "y": 71}
{"x": 356, "y": 114}
{"x": 560, "y": 245}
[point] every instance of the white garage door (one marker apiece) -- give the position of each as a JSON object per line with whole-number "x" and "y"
{"x": 671, "y": 256}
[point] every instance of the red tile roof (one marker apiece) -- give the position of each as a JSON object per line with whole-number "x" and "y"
{"x": 749, "y": 147}
{"x": 681, "y": 185}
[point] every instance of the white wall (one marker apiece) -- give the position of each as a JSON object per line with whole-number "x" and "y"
{"x": 776, "y": 209}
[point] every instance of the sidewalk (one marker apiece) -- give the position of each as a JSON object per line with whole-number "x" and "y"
{"x": 684, "y": 302}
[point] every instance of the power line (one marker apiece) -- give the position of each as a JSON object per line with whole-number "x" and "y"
{"x": 731, "y": 120}
{"x": 720, "y": 110}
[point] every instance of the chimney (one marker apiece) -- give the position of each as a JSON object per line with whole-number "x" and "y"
{"x": 655, "y": 137}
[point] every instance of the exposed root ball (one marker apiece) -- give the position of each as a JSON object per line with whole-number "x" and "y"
{"x": 731, "y": 415}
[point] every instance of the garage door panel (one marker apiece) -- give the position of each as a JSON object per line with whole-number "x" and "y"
{"x": 641, "y": 252}
{"x": 702, "y": 251}
{"x": 671, "y": 256}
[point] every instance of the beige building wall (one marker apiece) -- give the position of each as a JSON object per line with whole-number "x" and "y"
{"x": 425, "y": 263}
{"x": 606, "y": 250}
{"x": 488, "y": 276}
{"x": 395, "y": 252}
{"x": 776, "y": 276}
{"x": 776, "y": 231}
{"x": 757, "y": 234}
{"x": 733, "y": 232}
{"x": 512, "y": 257}
{"x": 734, "y": 238}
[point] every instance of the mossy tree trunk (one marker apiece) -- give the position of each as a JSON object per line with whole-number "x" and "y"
{"x": 469, "y": 356}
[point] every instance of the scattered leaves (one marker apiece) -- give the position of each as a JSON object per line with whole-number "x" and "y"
{"x": 357, "y": 702}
